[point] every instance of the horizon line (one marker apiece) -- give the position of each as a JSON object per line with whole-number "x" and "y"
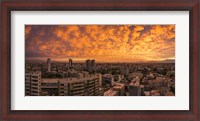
{"x": 150, "y": 61}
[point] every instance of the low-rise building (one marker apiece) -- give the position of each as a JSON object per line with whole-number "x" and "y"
{"x": 108, "y": 80}
{"x": 134, "y": 87}
{"x": 111, "y": 92}
{"x": 120, "y": 88}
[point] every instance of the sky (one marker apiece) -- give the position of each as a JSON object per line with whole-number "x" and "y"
{"x": 104, "y": 43}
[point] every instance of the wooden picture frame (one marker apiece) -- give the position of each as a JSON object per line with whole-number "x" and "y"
{"x": 6, "y": 114}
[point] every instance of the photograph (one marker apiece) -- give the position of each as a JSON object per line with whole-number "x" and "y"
{"x": 100, "y": 60}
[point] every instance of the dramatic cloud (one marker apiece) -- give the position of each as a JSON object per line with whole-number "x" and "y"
{"x": 105, "y": 43}
{"x": 27, "y": 31}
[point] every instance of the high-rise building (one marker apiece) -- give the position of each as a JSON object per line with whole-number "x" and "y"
{"x": 49, "y": 64}
{"x": 90, "y": 65}
{"x": 70, "y": 63}
{"x": 93, "y": 63}
{"x": 27, "y": 84}
{"x": 100, "y": 80}
{"x": 32, "y": 84}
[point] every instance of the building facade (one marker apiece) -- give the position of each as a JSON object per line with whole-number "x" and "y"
{"x": 117, "y": 90}
{"x": 70, "y": 63}
{"x": 33, "y": 84}
{"x": 108, "y": 80}
{"x": 87, "y": 86}
{"x": 48, "y": 64}
{"x": 90, "y": 65}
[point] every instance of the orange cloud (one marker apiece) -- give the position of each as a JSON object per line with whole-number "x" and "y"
{"x": 27, "y": 31}
{"x": 123, "y": 43}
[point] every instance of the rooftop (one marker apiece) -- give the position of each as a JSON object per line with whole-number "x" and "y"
{"x": 107, "y": 76}
{"x": 34, "y": 72}
{"x": 135, "y": 82}
{"x": 119, "y": 86}
{"x": 110, "y": 92}
{"x": 68, "y": 80}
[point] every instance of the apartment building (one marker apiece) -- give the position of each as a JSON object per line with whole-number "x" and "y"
{"x": 32, "y": 83}
{"x": 87, "y": 86}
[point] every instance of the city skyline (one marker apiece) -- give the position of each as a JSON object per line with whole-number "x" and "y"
{"x": 43, "y": 60}
{"x": 104, "y": 43}
{"x": 92, "y": 79}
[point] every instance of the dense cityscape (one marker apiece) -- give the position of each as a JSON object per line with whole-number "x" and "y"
{"x": 53, "y": 78}
{"x": 100, "y": 60}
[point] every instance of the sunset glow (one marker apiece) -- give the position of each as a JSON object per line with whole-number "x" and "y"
{"x": 104, "y": 43}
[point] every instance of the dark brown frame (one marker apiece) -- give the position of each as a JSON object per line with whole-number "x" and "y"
{"x": 6, "y": 114}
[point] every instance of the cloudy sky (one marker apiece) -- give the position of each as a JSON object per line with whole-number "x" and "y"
{"x": 104, "y": 43}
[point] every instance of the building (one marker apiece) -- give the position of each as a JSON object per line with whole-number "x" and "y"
{"x": 48, "y": 64}
{"x": 93, "y": 65}
{"x": 108, "y": 80}
{"x": 111, "y": 92}
{"x": 147, "y": 93}
{"x": 87, "y": 86}
{"x": 134, "y": 87}
{"x": 120, "y": 88}
{"x": 100, "y": 80}
{"x": 70, "y": 63}
{"x": 117, "y": 90}
{"x": 142, "y": 90}
{"x": 134, "y": 90}
{"x": 134, "y": 75}
{"x": 124, "y": 71}
{"x": 27, "y": 84}
{"x": 32, "y": 83}
{"x": 73, "y": 73}
{"x": 50, "y": 87}
{"x": 118, "y": 78}
{"x": 161, "y": 70}
{"x": 171, "y": 73}
{"x": 169, "y": 94}
{"x": 158, "y": 82}
{"x": 90, "y": 65}
{"x": 155, "y": 93}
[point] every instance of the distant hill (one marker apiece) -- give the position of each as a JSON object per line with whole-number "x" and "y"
{"x": 163, "y": 61}
{"x": 168, "y": 61}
